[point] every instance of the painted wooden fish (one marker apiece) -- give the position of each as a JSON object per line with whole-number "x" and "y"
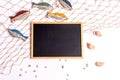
{"x": 42, "y": 5}
{"x": 23, "y": 14}
{"x": 65, "y": 4}
{"x": 17, "y": 34}
{"x": 57, "y": 15}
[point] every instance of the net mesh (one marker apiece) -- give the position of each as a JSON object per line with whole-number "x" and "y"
{"x": 94, "y": 14}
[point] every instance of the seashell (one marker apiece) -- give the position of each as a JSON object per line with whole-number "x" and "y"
{"x": 29, "y": 65}
{"x": 65, "y": 4}
{"x": 42, "y": 5}
{"x": 62, "y": 66}
{"x": 45, "y": 67}
{"x": 34, "y": 70}
{"x": 20, "y": 74}
{"x": 99, "y": 64}
{"x": 97, "y": 33}
{"x": 86, "y": 64}
{"x": 57, "y": 15}
{"x": 90, "y": 46}
{"x": 35, "y": 76}
{"x": 23, "y": 14}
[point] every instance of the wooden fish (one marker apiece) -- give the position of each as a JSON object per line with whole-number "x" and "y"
{"x": 42, "y": 5}
{"x": 23, "y": 14}
{"x": 97, "y": 33}
{"x": 17, "y": 34}
{"x": 65, "y": 4}
{"x": 90, "y": 46}
{"x": 57, "y": 15}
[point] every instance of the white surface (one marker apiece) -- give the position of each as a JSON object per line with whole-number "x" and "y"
{"x": 106, "y": 50}
{"x": 102, "y": 15}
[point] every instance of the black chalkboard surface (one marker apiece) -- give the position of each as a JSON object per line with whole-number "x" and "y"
{"x": 56, "y": 40}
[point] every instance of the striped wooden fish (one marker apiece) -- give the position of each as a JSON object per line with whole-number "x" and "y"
{"x": 57, "y": 15}
{"x": 65, "y": 4}
{"x": 23, "y": 14}
{"x": 42, "y": 5}
{"x": 17, "y": 34}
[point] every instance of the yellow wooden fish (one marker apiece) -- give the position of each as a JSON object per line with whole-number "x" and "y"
{"x": 57, "y": 15}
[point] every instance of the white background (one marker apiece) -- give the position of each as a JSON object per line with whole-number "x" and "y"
{"x": 102, "y": 15}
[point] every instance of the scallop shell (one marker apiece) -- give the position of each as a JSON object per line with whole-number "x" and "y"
{"x": 99, "y": 64}
{"x": 97, "y": 33}
{"x": 90, "y": 46}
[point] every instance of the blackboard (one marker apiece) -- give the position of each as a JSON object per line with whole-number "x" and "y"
{"x": 56, "y": 40}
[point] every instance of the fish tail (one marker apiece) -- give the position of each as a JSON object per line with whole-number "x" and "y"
{"x": 33, "y": 4}
{"x": 11, "y": 17}
{"x": 26, "y": 37}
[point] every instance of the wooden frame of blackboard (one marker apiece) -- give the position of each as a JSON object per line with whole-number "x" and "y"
{"x": 54, "y": 57}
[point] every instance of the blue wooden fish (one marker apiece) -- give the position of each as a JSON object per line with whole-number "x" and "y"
{"x": 17, "y": 34}
{"x": 65, "y": 4}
